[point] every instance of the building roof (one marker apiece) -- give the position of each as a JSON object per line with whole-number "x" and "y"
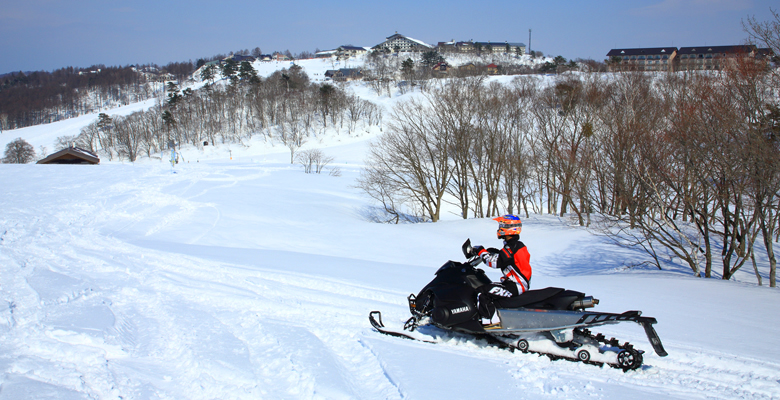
{"x": 71, "y": 155}
{"x": 353, "y": 48}
{"x": 348, "y": 72}
{"x": 501, "y": 44}
{"x": 240, "y": 57}
{"x": 717, "y": 49}
{"x": 400, "y": 36}
{"x": 766, "y": 52}
{"x": 345, "y": 72}
{"x": 641, "y": 51}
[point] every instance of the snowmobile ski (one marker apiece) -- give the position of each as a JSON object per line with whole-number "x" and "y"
{"x": 375, "y": 317}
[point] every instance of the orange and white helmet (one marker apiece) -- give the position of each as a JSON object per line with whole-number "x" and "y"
{"x": 508, "y": 225}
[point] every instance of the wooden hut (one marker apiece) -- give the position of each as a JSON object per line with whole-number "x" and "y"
{"x": 71, "y": 155}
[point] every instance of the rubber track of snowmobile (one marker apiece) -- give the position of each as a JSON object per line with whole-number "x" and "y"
{"x": 627, "y": 347}
{"x": 379, "y": 326}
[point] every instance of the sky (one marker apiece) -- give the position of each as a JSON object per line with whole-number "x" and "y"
{"x": 51, "y": 34}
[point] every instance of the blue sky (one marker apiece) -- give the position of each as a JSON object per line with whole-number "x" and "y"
{"x": 51, "y": 34}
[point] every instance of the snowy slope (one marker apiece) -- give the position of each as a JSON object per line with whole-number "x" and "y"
{"x": 245, "y": 278}
{"x": 254, "y": 280}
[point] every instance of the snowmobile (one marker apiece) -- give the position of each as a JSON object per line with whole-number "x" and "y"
{"x": 550, "y": 321}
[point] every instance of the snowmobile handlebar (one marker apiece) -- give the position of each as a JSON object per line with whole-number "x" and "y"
{"x": 468, "y": 251}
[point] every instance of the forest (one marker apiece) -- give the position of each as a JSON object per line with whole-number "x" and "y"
{"x": 284, "y": 106}
{"x": 40, "y": 97}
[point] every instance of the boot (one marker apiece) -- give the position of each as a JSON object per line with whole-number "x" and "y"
{"x": 487, "y": 311}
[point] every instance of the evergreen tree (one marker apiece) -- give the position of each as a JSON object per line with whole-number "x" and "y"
{"x": 431, "y": 58}
{"x": 407, "y": 68}
{"x": 208, "y": 73}
{"x": 104, "y": 123}
{"x": 548, "y": 67}
{"x": 229, "y": 69}
{"x": 173, "y": 95}
{"x": 168, "y": 120}
{"x": 247, "y": 73}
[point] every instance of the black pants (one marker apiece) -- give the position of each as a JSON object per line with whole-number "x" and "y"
{"x": 495, "y": 295}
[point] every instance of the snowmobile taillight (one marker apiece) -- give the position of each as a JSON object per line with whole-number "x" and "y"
{"x": 586, "y": 302}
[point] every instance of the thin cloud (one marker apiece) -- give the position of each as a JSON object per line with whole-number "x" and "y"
{"x": 670, "y": 7}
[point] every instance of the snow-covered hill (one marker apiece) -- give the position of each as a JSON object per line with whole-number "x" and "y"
{"x": 234, "y": 275}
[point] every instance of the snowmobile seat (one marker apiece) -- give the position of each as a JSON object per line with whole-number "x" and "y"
{"x": 528, "y": 298}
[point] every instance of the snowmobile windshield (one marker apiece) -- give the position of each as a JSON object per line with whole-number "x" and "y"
{"x": 450, "y": 265}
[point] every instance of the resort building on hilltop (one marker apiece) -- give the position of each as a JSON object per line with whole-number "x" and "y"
{"x": 644, "y": 59}
{"x": 399, "y": 43}
{"x": 711, "y": 57}
{"x": 706, "y": 58}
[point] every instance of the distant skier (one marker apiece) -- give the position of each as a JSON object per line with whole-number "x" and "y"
{"x": 514, "y": 262}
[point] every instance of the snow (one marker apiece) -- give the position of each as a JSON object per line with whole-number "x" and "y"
{"x": 420, "y": 42}
{"x": 246, "y": 278}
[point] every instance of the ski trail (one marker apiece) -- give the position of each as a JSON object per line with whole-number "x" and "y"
{"x": 398, "y": 393}
{"x": 214, "y": 350}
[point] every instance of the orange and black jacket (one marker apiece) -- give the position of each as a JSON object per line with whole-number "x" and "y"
{"x": 513, "y": 260}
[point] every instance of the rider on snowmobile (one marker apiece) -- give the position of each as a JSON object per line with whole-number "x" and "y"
{"x": 514, "y": 262}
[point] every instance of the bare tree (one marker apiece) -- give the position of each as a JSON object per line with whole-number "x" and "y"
{"x": 409, "y": 165}
{"x": 757, "y": 153}
{"x": 766, "y": 33}
{"x": 454, "y": 106}
{"x": 128, "y": 135}
{"x": 380, "y": 71}
{"x": 313, "y": 160}
{"x": 18, "y": 151}
{"x": 559, "y": 116}
{"x": 291, "y": 132}
{"x": 379, "y": 185}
